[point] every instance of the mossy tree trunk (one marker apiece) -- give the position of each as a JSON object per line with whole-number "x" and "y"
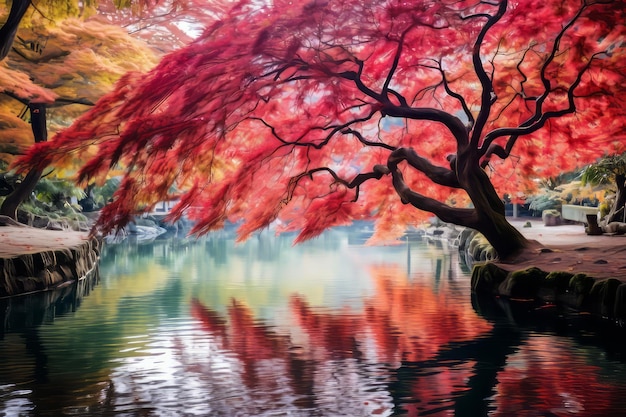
{"x": 490, "y": 218}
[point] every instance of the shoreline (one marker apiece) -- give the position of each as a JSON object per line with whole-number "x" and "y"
{"x": 43, "y": 259}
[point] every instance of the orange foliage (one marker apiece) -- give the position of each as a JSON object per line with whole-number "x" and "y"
{"x": 284, "y": 104}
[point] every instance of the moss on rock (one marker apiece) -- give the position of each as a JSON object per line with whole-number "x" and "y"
{"x": 620, "y": 302}
{"x": 480, "y": 249}
{"x": 524, "y": 283}
{"x": 558, "y": 280}
{"x": 487, "y": 277}
{"x": 581, "y": 284}
{"x": 601, "y": 299}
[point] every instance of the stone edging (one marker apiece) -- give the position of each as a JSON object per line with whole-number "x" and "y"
{"x": 47, "y": 270}
{"x": 605, "y": 298}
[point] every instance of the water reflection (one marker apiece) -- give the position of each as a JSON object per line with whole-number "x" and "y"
{"x": 327, "y": 328}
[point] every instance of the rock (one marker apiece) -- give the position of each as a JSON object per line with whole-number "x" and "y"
{"x": 558, "y": 280}
{"x": 487, "y": 277}
{"x": 47, "y": 269}
{"x": 615, "y": 228}
{"x": 620, "y": 302}
{"x": 551, "y": 217}
{"x": 579, "y": 286}
{"x": 480, "y": 249}
{"x": 601, "y": 299}
{"x": 523, "y": 284}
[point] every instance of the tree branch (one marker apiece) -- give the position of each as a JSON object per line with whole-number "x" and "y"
{"x": 394, "y": 65}
{"x": 454, "y": 94}
{"x": 10, "y": 26}
{"x": 453, "y": 123}
{"x": 536, "y": 122}
{"x": 539, "y": 118}
{"x": 487, "y": 88}
{"x": 437, "y": 174}
{"x": 57, "y": 103}
{"x": 378, "y": 171}
{"x": 333, "y": 130}
{"x": 459, "y": 216}
{"x": 366, "y": 142}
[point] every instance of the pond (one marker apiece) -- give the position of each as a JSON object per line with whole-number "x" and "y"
{"x": 331, "y": 327}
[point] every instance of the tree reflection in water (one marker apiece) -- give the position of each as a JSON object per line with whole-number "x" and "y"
{"x": 380, "y": 360}
{"x": 409, "y": 351}
{"x": 386, "y": 337}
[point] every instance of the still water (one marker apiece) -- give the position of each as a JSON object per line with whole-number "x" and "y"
{"x": 179, "y": 327}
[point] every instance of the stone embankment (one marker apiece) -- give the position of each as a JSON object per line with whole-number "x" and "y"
{"x": 33, "y": 259}
{"x": 603, "y": 297}
{"x": 567, "y": 267}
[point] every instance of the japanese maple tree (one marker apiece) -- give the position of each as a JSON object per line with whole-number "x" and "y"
{"x": 311, "y": 115}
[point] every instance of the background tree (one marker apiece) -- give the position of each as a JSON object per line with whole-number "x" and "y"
{"x": 316, "y": 114}
{"x": 9, "y": 27}
{"x": 67, "y": 66}
{"x": 75, "y": 53}
{"x": 152, "y": 17}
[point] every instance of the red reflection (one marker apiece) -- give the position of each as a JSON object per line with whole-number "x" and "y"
{"x": 248, "y": 338}
{"x": 410, "y": 320}
{"x": 211, "y": 321}
{"x": 541, "y": 377}
{"x": 402, "y": 321}
{"x": 335, "y": 333}
{"x": 405, "y": 328}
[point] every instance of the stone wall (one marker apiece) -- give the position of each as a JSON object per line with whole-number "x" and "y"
{"x": 46, "y": 270}
{"x": 600, "y": 297}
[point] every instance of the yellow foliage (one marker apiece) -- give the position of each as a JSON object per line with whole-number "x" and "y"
{"x": 577, "y": 191}
{"x": 74, "y": 59}
{"x": 19, "y": 84}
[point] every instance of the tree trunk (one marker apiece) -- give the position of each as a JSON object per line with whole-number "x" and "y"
{"x": 25, "y": 188}
{"x": 9, "y": 29}
{"x": 503, "y": 236}
{"x": 490, "y": 214}
{"x": 487, "y": 216}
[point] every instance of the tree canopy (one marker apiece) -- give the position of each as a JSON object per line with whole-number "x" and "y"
{"x": 68, "y": 56}
{"x": 311, "y": 115}
{"x": 76, "y": 64}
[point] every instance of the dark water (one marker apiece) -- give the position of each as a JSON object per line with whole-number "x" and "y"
{"x": 327, "y": 328}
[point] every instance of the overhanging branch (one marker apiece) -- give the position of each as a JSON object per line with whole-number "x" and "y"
{"x": 487, "y": 96}
{"x": 378, "y": 171}
{"x": 334, "y": 129}
{"x": 533, "y": 124}
{"x": 453, "y": 94}
{"x": 539, "y": 117}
